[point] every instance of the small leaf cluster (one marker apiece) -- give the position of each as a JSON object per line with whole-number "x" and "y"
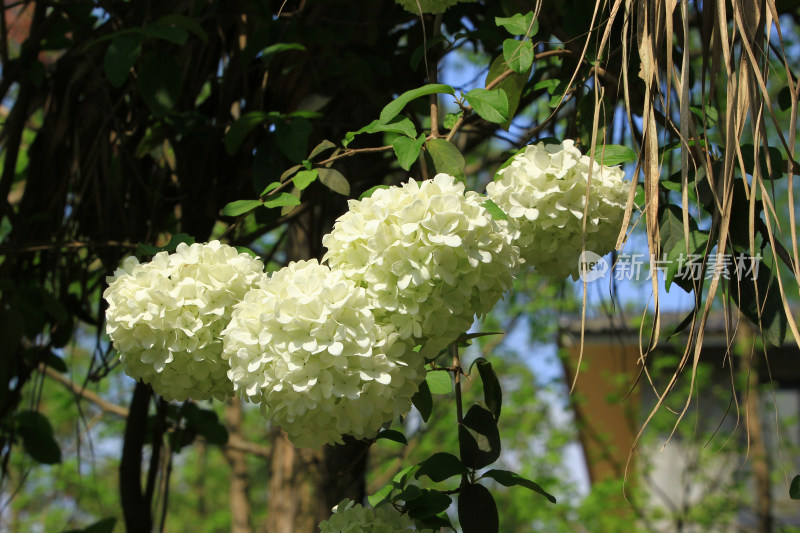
{"x": 479, "y": 447}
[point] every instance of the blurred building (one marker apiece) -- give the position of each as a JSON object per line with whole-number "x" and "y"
{"x": 726, "y": 466}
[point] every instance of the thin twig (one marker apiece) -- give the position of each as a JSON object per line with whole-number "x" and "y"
{"x": 234, "y": 442}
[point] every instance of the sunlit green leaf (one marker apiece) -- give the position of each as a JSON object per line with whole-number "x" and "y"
{"x": 439, "y": 381}
{"x": 396, "y": 106}
{"x": 519, "y": 24}
{"x": 491, "y": 105}
{"x": 283, "y": 199}
{"x": 518, "y": 55}
{"x": 240, "y": 207}
{"x": 304, "y": 178}
{"x": 494, "y": 210}
{"x": 369, "y": 192}
{"x": 407, "y": 150}
{"x": 613, "y": 154}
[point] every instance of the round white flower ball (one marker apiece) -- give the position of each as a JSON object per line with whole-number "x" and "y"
{"x": 165, "y": 317}
{"x": 429, "y": 255}
{"x": 543, "y": 192}
{"x": 349, "y": 517}
{"x": 304, "y": 344}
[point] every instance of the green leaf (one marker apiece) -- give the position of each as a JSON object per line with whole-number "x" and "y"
{"x": 411, "y": 492}
{"x": 428, "y": 503}
{"x": 513, "y": 85}
{"x": 407, "y": 150}
{"x": 510, "y": 479}
{"x": 491, "y": 105}
{"x": 775, "y": 158}
{"x": 519, "y": 24}
{"x": 450, "y": 119}
{"x": 492, "y": 393}
{"x": 393, "y": 435}
{"x": 160, "y": 82}
{"x": 423, "y": 401}
{"x": 441, "y": 466}
{"x": 283, "y": 199}
{"x": 478, "y": 438}
{"x": 556, "y": 89}
{"x": 477, "y": 511}
{"x": 439, "y": 381}
{"x": 172, "y": 34}
{"x": 292, "y": 138}
{"x": 37, "y": 437}
{"x": 518, "y": 55}
{"x": 712, "y": 115}
{"x": 435, "y": 522}
{"x": 401, "y": 125}
{"x": 794, "y": 488}
{"x": 613, "y": 154}
{"x": 206, "y": 423}
{"x": 446, "y": 157}
{"x": 673, "y": 246}
{"x": 334, "y": 180}
{"x": 183, "y": 22}
{"x": 277, "y": 48}
{"x": 240, "y": 207}
{"x": 120, "y": 56}
{"x": 105, "y": 525}
{"x": 369, "y": 192}
{"x": 760, "y": 300}
{"x": 320, "y": 148}
{"x": 396, "y": 106}
{"x": 271, "y": 187}
{"x": 785, "y": 100}
{"x": 55, "y": 362}
{"x": 304, "y": 178}
{"x": 246, "y": 250}
{"x": 494, "y": 210}
{"x": 236, "y": 134}
{"x": 380, "y": 496}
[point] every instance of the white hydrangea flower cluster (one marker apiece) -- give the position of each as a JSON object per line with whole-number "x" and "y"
{"x": 349, "y": 517}
{"x": 543, "y": 192}
{"x": 429, "y": 255}
{"x": 165, "y": 317}
{"x": 305, "y": 345}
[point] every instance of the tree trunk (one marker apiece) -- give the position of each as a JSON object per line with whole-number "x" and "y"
{"x": 759, "y": 455}
{"x": 239, "y": 481}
